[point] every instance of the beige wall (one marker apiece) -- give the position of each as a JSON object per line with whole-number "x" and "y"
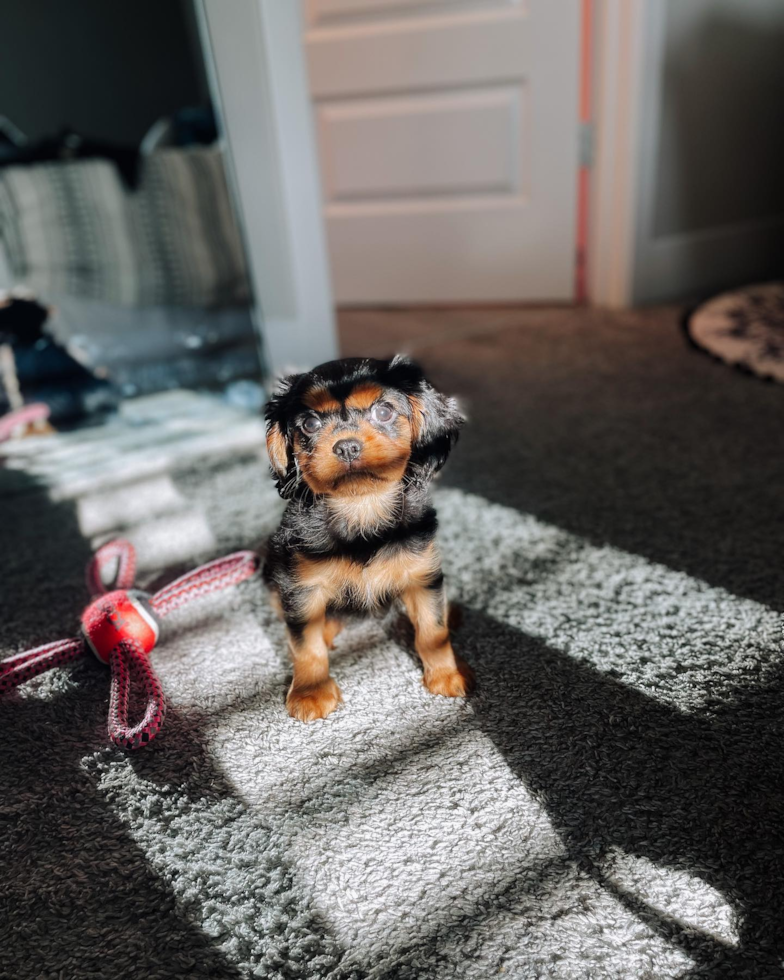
{"x": 720, "y": 156}
{"x": 709, "y": 198}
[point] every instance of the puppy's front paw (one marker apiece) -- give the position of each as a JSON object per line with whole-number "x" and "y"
{"x": 452, "y": 682}
{"x": 316, "y": 701}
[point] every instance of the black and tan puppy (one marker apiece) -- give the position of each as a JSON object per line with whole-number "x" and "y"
{"x": 353, "y": 445}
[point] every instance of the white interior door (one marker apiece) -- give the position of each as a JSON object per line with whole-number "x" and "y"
{"x": 448, "y": 142}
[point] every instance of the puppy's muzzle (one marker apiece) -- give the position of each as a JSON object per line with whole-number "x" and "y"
{"x": 347, "y": 450}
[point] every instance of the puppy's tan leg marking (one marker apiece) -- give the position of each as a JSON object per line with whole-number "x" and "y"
{"x": 332, "y": 627}
{"x": 313, "y": 693}
{"x": 445, "y": 672}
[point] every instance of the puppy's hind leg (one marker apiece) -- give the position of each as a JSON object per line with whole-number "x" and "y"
{"x": 445, "y": 672}
{"x": 313, "y": 693}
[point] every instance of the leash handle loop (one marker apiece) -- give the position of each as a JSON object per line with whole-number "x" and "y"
{"x": 129, "y": 663}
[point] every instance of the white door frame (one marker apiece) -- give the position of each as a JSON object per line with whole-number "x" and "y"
{"x": 618, "y": 61}
{"x": 256, "y": 63}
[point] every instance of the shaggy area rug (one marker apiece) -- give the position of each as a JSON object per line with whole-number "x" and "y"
{"x": 608, "y": 805}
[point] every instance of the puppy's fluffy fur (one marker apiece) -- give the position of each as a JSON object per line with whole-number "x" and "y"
{"x": 353, "y": 445}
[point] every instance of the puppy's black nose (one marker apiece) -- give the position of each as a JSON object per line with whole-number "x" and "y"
{"x": 347, "y": 449}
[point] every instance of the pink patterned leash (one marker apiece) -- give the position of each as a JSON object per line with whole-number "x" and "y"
{"x": 121, "y": 628}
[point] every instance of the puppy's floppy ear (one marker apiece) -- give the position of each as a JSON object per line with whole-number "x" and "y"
{"x": 435, "y": 418}
{"x": 279, "y": 447}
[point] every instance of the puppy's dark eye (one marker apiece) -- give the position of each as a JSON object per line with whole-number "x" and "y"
{"x": 311, "y": 425}
{"x": 382, "y": 412}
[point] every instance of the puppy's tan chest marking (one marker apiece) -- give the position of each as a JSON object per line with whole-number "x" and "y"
{"x": 366, "y": 513}
{"x": 390, "y": 573}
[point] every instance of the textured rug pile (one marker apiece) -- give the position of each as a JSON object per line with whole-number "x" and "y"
{"x": 608, "y": 805}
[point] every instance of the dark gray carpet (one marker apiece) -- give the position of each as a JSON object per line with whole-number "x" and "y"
{"x": 609, "y": 804}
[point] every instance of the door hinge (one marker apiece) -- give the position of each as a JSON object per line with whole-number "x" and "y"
{"x": 586, "y": 144}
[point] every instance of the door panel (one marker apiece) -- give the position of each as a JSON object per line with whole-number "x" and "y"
{"x": 328, "y": 12}
{"x": 411, "y": 54}
{"x": 448, "y": 144}
{"x": 413, "y": 146}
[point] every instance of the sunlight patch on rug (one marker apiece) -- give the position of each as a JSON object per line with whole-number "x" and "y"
{"x": 682, "y": 898}
{"x": 677, "y": 639}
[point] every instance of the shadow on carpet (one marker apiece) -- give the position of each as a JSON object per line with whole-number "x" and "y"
{"x": 623, "y": 776}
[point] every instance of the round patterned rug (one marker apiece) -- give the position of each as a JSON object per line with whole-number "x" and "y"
{"x": 744, "y": 328}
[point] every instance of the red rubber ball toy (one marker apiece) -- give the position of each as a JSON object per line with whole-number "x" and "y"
{"x": 116, "y": 617}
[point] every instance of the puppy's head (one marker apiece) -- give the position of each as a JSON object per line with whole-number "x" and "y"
{"x": 358, "y": 426}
